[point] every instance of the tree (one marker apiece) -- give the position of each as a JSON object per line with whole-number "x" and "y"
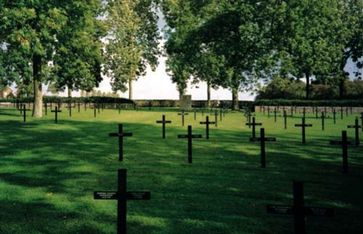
{"x": 31, "y": 36}
{"x": 133, "y": 41}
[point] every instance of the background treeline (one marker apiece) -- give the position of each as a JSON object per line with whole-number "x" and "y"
{"x": 280, "y": 88}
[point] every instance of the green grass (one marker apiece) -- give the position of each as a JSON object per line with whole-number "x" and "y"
{"x": 48, "y": 173}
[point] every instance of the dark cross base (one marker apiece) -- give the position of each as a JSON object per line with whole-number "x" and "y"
{"x": 344, "y": 143}
{"x": 120, "y": 134}
{"x": 183, "y": 114}
{"x": 122, "y": 196}
{"x": 253, "y": 124}
{"x": 263, "y": 141}
{"x": 356, "y": 127}
{"x": 207, "y": 123}
{"x": 56, "y": 111}
{"x": 303, "y": 132}
{"x": 299, "y": 210}
{"x": 190, "y": 137}
{"x": 164, "y": 122}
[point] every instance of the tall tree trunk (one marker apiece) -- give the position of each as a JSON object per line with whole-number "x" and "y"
{"x": 38, "y": 93}
{"x": 307, "y": 87}
{"x": 69, "y": 92}
{"x": 130, "y": 88}
{"x": 235, "y": 104}
{"x": 208, "y": 93}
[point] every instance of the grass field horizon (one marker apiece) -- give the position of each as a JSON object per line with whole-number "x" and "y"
{"x": 48, "y": 173}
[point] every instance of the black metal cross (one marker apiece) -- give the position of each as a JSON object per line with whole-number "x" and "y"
{"x": 120, "y": 134}
{"x": 122, "y": 196}
{"x": 190, "y": 137}
{"x": 285, "y": 120}
{"x": 334, "y": 116}
{"x": 94, "y": 110}
{"x": 263, "y": 141}
{"x": 56, "y": 111}
{"x": 299, "y": 210}
{"x": 322, "y": 121}
{"x": 361, "y": 118}
{"x": 303, "y": 126}
{"x": 24, "y": 112}
{"x": 216, "y": 118}
{"x": 207, "y": 123}
{"x": 253, "y": 124}
{"x": 341, "y": 112}
{"x": 356, "y": 127}
{"x": 275, "y": 114}
{"x": 344, "y": 143}
{"x": 45, "y": 108}
{"x": 70, "y": 108}
{"x": 183, "y": 114}
{"x": 248, "y": 118}
{"x": 163, "y": 122}
{"x": 79, "y": 106}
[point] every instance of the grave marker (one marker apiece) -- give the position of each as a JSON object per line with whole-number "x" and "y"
{"x": 285, "y": 120}
{"x": 322, "y": 121}
{"x": 341, "y": 112}
{"x": 361, "y": 118}
{"x": 190, "y": 137}
{"x": 263, "y": 141}
{"x": 207, "y": 123}
{"x": 121, "y": 134}
{"x": 79, "y": 107}
{"x": 253, "y": 124}
{"x": 163, "y": 122}
{"x": 275, "y": 115}
{"x": 356, "y": 127}
{"x": 344, "y": 143}
{"x": 56, "y": 111}
{"x": 45, "y": 108}
{"x": 334, "y": 116}
{"x": 70, "y": 109}
{"x": 299, "y": 210}
{"x": 303, "y": 132}
{"x": 216, "y": 118}
{"x": 183, "y": 114}
{"x": 24, "y": 112}
{"x": 122, "y": 196}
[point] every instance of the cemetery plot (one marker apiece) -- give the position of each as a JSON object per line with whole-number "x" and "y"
{"x": 48, "y": 175}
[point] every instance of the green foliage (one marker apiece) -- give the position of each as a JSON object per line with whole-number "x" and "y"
{"x": 133, "y": 40}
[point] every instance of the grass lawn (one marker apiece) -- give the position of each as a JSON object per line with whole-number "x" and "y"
{"x": 48, "y": 173}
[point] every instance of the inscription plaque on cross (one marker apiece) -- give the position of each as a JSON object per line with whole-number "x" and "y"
{"x": 183, "y": 114}
{"x": 207, "y": 123}
{"x": 356, "y": 127}
{"x": 190, "y": 138}
{"x": 263, "y": 141}
{"x": 163, "y": 122}
{"x": 122, "y": 196}
{"x": 303, "y": 125}
{"x": 344, "y": 143}
{"x": 56, "y": 111}
{"x": 253, "y": 124}
{"x": 120, "y": 134}
{"x": 299, "y": 210}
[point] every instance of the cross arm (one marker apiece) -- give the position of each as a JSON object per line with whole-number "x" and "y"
{"x": 123, "y": 134}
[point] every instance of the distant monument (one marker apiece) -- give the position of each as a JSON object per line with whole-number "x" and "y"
{"x": 186, "y": 102}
